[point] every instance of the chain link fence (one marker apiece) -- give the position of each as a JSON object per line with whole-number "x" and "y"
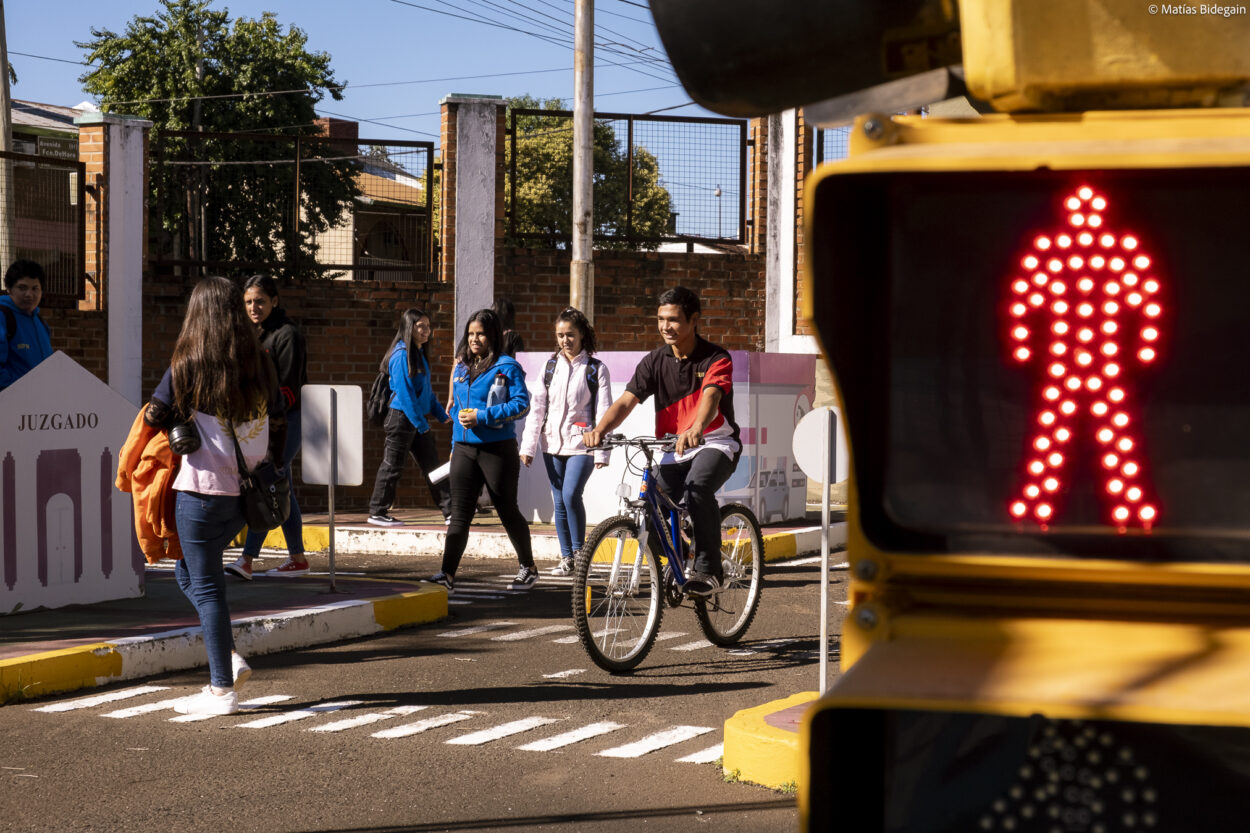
{"x": 42, "y": 218}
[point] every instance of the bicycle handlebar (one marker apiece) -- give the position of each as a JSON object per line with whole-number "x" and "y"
{"x": 665, "y": 443}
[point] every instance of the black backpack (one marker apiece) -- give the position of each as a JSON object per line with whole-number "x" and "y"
{"x": 592, "y": 382}
{"x": 379, "y": 401}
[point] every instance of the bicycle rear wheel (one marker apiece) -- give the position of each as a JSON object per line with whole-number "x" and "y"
{"x": 617, "y": 596}
{"x": 726, "y": 616}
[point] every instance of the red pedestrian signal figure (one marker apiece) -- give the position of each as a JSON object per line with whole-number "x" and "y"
{"x": 1085, "y": 309}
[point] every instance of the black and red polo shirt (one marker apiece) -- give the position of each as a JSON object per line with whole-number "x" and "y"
{"x": 677, "y": 385}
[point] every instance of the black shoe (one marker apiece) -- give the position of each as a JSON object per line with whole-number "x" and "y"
{"x": 702, "y": 585}
{"x": 446, "y": 580}
{"x": 383, "y": 519}
{"x": 526, "y": 578}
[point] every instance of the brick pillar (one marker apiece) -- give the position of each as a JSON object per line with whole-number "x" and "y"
{"x": 91, "y": 144}
{"x": 472, "y": 199}
{"x": 758, "y": 209}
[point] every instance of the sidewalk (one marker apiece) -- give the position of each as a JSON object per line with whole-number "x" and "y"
{"x": 50, "y": 651}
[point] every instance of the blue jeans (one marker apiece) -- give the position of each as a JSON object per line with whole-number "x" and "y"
{"x": 293, "y": 526}
{"x": 206, "y": 524}
{"x": 568, "y": 475}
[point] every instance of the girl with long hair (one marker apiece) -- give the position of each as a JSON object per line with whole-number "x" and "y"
{"x": 220, "y": 379}
{"x": 488, "y": 395}
{"x": 575, "y": 394}
{"x": 407, "y": 361}
{"x": 283, "y": 342}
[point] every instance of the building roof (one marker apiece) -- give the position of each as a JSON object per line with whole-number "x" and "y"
{"x": 47, "y": 117}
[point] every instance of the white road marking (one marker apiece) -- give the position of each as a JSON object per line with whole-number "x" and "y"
{"x": 692, "y": 646}
{"x": 532, "y": 632}
{"x": 669, "y": 737}
{"x": 146, "y": 708}
{"x": 297, "y": 714}
{"x": 101, "y": 699}
{"x": 459, "y": 601}
{"x": 477, "y": 629}
{"x": 367, "y": 718}
{"x": 516, "y": 727}
{"x": 569, "y": 738}
{"x": 705, "y": 756}
{"x": 256, "y": 703}
{"x": 479, "y": 596}
{"x": 572, "y": 672}
{"x": 670, "y": 635}
{"x": 803, "y": 562}
{"x": 567, "y": 640}
{"x": 425, "y": 725}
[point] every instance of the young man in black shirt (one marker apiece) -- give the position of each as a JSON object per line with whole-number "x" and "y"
{"x": 692, "y": 382}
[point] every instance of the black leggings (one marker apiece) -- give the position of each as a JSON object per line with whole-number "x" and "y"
{"x": 498, "y": 466}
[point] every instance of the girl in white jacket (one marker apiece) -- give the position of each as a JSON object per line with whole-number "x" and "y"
{"x": 576, "y": 392}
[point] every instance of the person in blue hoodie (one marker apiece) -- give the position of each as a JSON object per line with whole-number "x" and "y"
{"x": 407, "y": 425}
{"x": 488, "y": 397}
{"x": 25, "y": 340}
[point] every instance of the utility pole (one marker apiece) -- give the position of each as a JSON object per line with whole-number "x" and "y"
{"x": 7, "y": 251}
{"x": 582, "y": 269}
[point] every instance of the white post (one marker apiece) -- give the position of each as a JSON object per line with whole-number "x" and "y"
{"x": 475, "y": 203}
{"x": 582, "y": 268}
{"x": 827, "y": 463}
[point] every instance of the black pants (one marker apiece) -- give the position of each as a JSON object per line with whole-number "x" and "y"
{"x": 402, "y": 439}
{"x": 698, "y": 479}
{"x": 498, "y": 466}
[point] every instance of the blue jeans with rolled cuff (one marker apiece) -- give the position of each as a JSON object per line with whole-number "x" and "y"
{"x": 206, "y": 525}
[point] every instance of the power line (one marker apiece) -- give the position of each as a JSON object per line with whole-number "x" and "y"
{"x": 48, "y": 58}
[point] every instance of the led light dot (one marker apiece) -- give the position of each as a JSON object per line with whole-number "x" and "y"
{"x": 1037, "y": 467}
{"x": 1128, "y": 242}
{"x": 1121, "y": 513}
{"x": 1112, "y": 288}
{"x": 1073, "y": 203}
{"x": 1134, "y": 299}
{"x": 1042, "y": 242}
{"x": 1084, "y": 359}
{"x": 1018, "y": 310}
{"x": 1058, "y": 348}
{"x": 1043, "y": 511}
{"x": 1037, "y": 299}
{"x": 1058, "y": 287}
{"x": 1050, "y": 484}
{"x": 1072, "y": 383}
{"x": 1109, "y": 349}
{"x": 1111, "y": 308}
{"x": 1063, "y": 241}
{"x": 1133, "y": 494}
{"x": 1141, "y": 262}
{"x": 1149, "y": 333}
{"x": 1085, "y": 284}
{"x": 1031, "y": 491}
{"x": 1047, "y": 418}
{"x": 1097, "y": 262}
{"x": 1094, "y": 220}
{"x": 1152, "y": 310}
{"x": 1057, "y": 369}
{"x": 1022, "y": 354}
{"x": 1030, "y": 262}
{"x": 1041, "y": 278}
{"x": 1110, "y": 369}
{"x": 1125, "y": 445}
{"x": 1077, "y": 219}
{"x": 1085, "y": 310}
{"x": 1055, "y": 459}
{"x": 1116, "y": 394}
{"x": 1019, "y": 508}
{"x": 1146, "y": 513}
{"x": 1076, "y": 262}
{"x": 1117, "y": 264}
{"x": 1115, "y": 486}
{"x": 1059, "y": 307}
{"x": 1130, "y": 469}
{"x": 1020, "y": 333}
{"x": 1085, "y": 334}
{"x": 1105, "y": 435}
{"x": 1099, "y": 203}
{"x": 1041, "y": 443}
{"x": 1110, "y": 461}
{"x": 1146, "y": 354}
{"x": 1093, "y": 383}
{"x": 1106, "y": 241}
{"x": 1120, "y": 420}
{"x": 1151, "y": 286}
{"x": 1063, "y": 435}
{"x": 1051, "y": 393}
{"x": 1099, "y": 409}
{"x": 1067, "y": 407}
{"x": 1054, "y": 265}
{"x": 1085, "y": 238}
{"x": 1020, "y": 286}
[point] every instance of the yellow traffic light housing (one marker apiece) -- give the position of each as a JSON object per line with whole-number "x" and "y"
{"x": 1036, "y": 324}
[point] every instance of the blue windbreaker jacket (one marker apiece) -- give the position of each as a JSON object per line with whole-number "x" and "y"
{"x": 495, "y": 420}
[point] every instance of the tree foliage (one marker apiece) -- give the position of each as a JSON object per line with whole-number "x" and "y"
{"x": 544, "y": 188}
{"x": 189, "y": 67}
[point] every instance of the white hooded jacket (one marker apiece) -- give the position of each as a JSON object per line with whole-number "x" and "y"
{"x": 565, "y": 406}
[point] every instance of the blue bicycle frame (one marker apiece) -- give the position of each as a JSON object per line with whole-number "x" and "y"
{"x": 672, "y": 543}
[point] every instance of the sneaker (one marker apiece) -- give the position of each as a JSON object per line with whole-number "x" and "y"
{"x": 564, "y": 568}
{"x": 290, "y": 567}
{"x": 242, "y": 567}
{"x": 447, "y": 521}
{"x": 702, "y": 585}
{"x": 208, "y": 702}
{"x": 384, "y": 519}
{"x": 445, "y": 579}
{"x": 526, "y": 578}
{"x": 241, "y": 670}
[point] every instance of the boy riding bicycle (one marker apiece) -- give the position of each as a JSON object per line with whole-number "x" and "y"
{"x": 692, "y": 381}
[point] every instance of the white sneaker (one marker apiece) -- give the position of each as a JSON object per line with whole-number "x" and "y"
{"x": 241, "y": 670}
{"x": 208, "y": 702}
{"x": 564, "y": 568}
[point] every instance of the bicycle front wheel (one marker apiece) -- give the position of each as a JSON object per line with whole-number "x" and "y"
{"x": 617, "y": 596}
{"x": 726, "y": 616}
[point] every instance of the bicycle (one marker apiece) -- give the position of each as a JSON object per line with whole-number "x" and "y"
{"x": 630, "y": 567}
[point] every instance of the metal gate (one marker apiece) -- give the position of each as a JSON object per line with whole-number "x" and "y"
{"x": 44, "y": 203}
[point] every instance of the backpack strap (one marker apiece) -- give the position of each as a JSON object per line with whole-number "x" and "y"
{"x": 548, "y": 372}
{"x": 10, "y": 323}
{"x": 592, "y": 383}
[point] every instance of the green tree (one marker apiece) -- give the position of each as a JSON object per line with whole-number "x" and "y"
{"x": 544, "y": 188}
{"x": 189, "y": 67}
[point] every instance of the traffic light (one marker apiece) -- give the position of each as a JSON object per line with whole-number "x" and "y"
{"x": 1038, "y": 327}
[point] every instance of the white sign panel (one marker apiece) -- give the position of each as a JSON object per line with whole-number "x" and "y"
{"x": 810, "y": 443}
{"x": 66, "y": 533}
{"x": 315, "y": 436}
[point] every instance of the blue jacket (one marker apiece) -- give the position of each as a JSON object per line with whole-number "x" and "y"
{"x": 494, "y": 418}
{"x": 413, "y": 394}
{"x": 31, "y": 343}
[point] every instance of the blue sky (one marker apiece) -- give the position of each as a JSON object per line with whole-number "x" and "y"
{"x": 398, "y": 58}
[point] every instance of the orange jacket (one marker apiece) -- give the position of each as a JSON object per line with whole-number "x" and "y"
{"x": 146, "y": 469}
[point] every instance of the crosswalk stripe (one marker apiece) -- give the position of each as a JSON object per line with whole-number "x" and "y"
{"x": 480, "y": 596}
{"x": 803, "y": 562}
{"x": 670, "y": 635}
{"x": 532, "y": 632}
{"x": 146, "y": 708}
{"x": 425, "y": 725}
{"x": 503, "y": 731}
{"x": 255, "y": 703}
{"x": 298, "y": 714}
{"x": 572, "y": 672}
{"x": 489, "y": 626}
{"x": 705, "y": 756}
{"x": 459, "y": 601}
{"x": 594, "y": 730}
{"x": 659, "y": 740}
{"x": 367, "y": 718}
{"x": 692, "y": 646}
{"x": 566, "y": 640}
{"x": 101, "y": 699}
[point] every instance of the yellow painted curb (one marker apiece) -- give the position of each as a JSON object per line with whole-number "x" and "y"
{"x": 760, "y": 753}
{"x": 316, "y": 539}
{"x": 418, "y": 607}
{"x": 780, "y": 546}
{"x": 55, "y": 671}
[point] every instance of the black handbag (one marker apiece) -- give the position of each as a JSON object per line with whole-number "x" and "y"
{"x": 264, "y": 492}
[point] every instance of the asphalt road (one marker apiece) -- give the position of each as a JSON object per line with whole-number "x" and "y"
{"x": 494, "y": 719}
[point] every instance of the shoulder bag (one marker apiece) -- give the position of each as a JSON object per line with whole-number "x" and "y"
{"x": 264, "y": 492}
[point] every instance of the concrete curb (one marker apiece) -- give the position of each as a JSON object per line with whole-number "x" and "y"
{"x": 761, "y": 752}
{"x": 179, "y": 650}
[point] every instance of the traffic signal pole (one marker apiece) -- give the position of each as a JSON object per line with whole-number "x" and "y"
{"x": 582, "y": 268}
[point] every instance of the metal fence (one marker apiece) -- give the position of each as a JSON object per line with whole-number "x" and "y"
{"x": 300, "y": 206}
{"x": 832, "y": 143}
{"x": 44, "y": 220}
{"x": 657, "y": 179}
